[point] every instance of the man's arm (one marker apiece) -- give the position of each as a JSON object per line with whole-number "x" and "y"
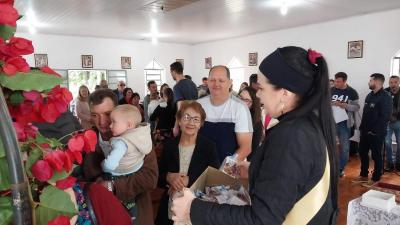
{"x": 353, "y": 106}
{"x": 127, "y": 188}
{"x": 244, "y": 142}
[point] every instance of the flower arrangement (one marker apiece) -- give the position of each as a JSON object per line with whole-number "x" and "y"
{"x": 35, "y": 95}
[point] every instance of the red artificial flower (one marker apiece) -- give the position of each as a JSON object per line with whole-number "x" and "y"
{"x": 60, "y": 220}
{"x": 33, "y": 96}
{"x": 17, "y": 47}
{"x": 10, "y": 2}
{"x": 76, "y": 143}
{"x": 14, "y": 65}
{"x": 313, "y": 56}
{"x": 56, "y": 159}
{"x": 61, "y": 97}
{"x": 90, "y": 138}
{"x": 49, "y": 112}
{"x": 75, "y": 156}
{"x": 8, "y": 14}
{"x": 66, "y": 183}
{"x": 41, "y": 170}
{"x": 68, "y": 160}
{"x": 25, "y": 131}
{"x": 48, "y": 70}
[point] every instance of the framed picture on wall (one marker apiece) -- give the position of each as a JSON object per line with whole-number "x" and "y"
{"x": 208, "y": 62}
{"x": 87, "y": 61}
{"x": 355, "y": 49}
{"x": 41, "y": 60}
{"x": 182, "y": 61}
{"x": 253, "y": 59}
{"x": 126, "y": 62}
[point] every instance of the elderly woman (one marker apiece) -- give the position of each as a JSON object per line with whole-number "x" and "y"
{"x": 186, "y": 157}
{"x": 82, "y": 108}
{"x": 293, "y": 177}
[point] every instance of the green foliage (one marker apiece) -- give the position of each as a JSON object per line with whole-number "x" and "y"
{"x": 16, "y": 98}
{"x": 58, "y": 176}
{"x": 53, "y": 203}
{"x": 5, "y": 210}
{"x": 2, "y": 152}
{"x": 6, "y": 32}
{"x": 33, "y": 80}
{"x": 4, "y": 175}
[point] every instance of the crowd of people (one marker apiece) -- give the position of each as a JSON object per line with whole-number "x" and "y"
{"x": 200, "y": 126}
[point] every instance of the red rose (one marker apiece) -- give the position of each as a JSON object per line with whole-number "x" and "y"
{"x": 61, "y": 220}
{"x": 8, "y": 14}
{"x": 56, "y": 159}
{"x": 48, "y": 70}
{"x": 18, "y": 46}
{"x": 41, "y": 170}
{"x": 66, "y": 183}
{"x": 14, "y": 65}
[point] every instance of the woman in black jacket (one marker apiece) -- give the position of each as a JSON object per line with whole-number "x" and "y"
{"x": 293, "y": 177}
{"x": 164, "y": 114}
{"x": 186, "y": 157}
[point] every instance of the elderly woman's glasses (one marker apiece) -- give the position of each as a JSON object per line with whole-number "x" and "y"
{"x": 188, "y": 118}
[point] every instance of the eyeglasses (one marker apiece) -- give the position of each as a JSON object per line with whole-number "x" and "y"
{"x": 122, "y": 85}
{"x": 194, "y": 119}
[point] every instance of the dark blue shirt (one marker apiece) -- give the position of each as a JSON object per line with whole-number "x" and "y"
{"x": 185, "y": 90}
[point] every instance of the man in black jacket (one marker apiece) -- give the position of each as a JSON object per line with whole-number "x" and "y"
{"x": 376, "y": 114}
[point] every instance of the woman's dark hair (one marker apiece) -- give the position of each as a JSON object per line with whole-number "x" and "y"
{"x": 255, "y": 109}
{"x": 125, "y": 91}
{"x": 161, "y": 88}
{"x": 169, "y": 94}
{"x": 98, "y": 96}
{"x": 79, "y": 93}
{"x": 317, "y": 101}
{"x": 135, "y": 94}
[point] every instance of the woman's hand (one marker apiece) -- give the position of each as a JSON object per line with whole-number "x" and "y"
{"x": 243, "y": 168}
{"x": 181, "y": 206}
{"x": 177, "y": 180}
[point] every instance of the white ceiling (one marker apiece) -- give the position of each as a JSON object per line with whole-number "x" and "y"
{"x": 196, "y": 22}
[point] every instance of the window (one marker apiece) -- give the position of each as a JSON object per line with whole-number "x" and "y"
{"x": 154, "y": 71}
{"x": 237, "y": 73}
{"x": 90, "y": 78}
{"x": 396, "y": 66}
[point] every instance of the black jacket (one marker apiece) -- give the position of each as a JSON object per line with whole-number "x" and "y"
{"x": 376, "y": 113}
{"x": 165, "y": 116}
{"x": 205, "y": 154}
{"x": 289, "y": 164}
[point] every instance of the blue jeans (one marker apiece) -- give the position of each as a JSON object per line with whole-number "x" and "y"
{"x": 343, "y": 133}
{"x": 392, "y": 127}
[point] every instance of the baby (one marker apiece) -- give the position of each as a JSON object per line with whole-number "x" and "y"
{"x": 131, "y": 141}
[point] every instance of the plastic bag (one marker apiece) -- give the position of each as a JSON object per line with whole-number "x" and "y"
{"x": 229, "y": 167}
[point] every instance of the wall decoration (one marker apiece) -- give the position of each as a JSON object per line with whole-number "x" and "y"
{"x": 126, "y": 62}
{"x": 208, "y": 62}
{"x": 355, "y": 49}
{"x": 41, "y": 60}
{"x": 253, "y": 59}
{"x": 182, "y": 61}
{"x": 87, "y": 61}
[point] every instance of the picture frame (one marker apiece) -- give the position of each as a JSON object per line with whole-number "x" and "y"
{"x": 253, "y": 59}
{"x": 182, "y": 61}
{"x": 87, "y": 61}
{"x": 355, "y": 49}
{"x": 208, "y": 63}
{"x": 126, "y": 62}
{"x": 41, "y": 60}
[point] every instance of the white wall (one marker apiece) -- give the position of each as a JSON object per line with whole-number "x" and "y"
{"x": 379, "y": 31}
{"x": 64, "y": 52}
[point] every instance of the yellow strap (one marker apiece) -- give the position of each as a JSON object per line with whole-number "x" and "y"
{"x": 308, "y": 206}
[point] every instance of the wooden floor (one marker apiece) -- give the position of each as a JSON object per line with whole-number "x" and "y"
{"x": 349, "y": 190}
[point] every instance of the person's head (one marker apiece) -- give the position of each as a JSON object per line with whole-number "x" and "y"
{"x": 176, "y": 70}
{"x": 188, "y": 77}
{"x": 253, "y": 81}
{"x": 103, "y": 84}
{"x": 128, "y": 93}
{"x": 121, "y": 85}
{"x": 154, "y": 96}
{"x": 123, "y": 118}
{"x": 96, "y": 87}
{"x": 376, "y": 81}
{"x": 332, "y": 83}
{"x": 163, "y": 86}
{"x": 219, "y": 81}
{"x": 135, "y": 99}
{"x": 168, "y": 95}
{"x": 248, "y": 96}
{"x": 152, "y": 86}
{"x": 204, "y": 80}
{"x": 394, "y": 82}
{"x": 341, "y": 80}
{"x": 243, "y": 85}
{"x": 101, "y": 103}
{"x": 190, "y": 117}
{"x": 295, "y": 83}
{"x": 83, "y": 93}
